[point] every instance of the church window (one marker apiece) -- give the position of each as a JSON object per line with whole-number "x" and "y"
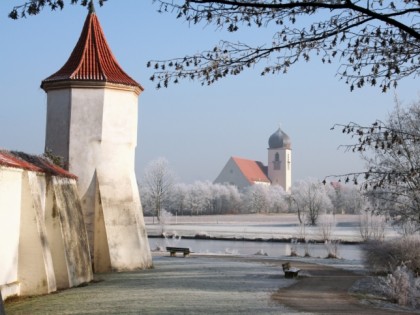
{"x": 276, "y": 162}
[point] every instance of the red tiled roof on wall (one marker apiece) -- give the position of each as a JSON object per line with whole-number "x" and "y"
{"x": 251, "y": 170}
{"x": 32, "y": 163}
{"x": 92, "y": 59}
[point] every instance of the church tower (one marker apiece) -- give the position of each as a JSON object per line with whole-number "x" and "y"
{"x": 92, "y": 124}
{"x": 280, "y": 159}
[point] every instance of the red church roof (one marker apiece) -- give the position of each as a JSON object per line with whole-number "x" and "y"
{"x": 252, "y": 170}
{"x": 32, "y": 163}
{"x": 92, "y": 60}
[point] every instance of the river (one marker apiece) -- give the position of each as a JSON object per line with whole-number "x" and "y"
{"x": 271, "y": 249}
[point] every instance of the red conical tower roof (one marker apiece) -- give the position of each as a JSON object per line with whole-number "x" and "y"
{"x": 91, "y": 60}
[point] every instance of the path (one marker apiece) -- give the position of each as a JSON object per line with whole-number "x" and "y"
{"x": 325, "y": 291}
{"x": 207, "y": 285}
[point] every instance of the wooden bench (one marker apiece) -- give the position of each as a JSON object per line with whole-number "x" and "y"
{"x": 173, "y": 250}
{"x": 290, "y": 272}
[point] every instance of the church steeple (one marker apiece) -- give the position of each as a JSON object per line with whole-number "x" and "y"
{"x": 279, "y": 159}
{"x": 91, "y": 60}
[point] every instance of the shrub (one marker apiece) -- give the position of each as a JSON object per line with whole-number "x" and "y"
{"x": 372, "y": 226}
{"x": 400, "y": 287}
{"x": 326, "y": 225}
{"x": 293, "y": 247}
{"x": 332, "y": 248}
{"x": 307, "y": 247}
{"x": 386, "y": 256}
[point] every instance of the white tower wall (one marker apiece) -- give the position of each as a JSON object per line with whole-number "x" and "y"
{"x": 92, "y": 124}
{"x": 102, "y": 136}
{"x": 280, "y": 170}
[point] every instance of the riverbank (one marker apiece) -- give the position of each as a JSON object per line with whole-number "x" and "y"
{"x": 258, "y": 227}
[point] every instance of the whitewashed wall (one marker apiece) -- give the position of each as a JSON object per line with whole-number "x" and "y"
{"x": 10, "y": 209}
{"x": 43, "y": 241}
{"x": 231, "y": 174}
{"x": 100, "y": 131}
{"x": 283, "y": 175}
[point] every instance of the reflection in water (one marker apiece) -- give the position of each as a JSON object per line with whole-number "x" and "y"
{"x": 272, "y": 249}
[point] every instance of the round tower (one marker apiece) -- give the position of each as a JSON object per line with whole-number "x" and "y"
{"x": 280, "y": 159}
{"x": 92, "y": 124}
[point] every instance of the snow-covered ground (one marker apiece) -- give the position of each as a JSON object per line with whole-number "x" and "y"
{"x": 255, "y": 226}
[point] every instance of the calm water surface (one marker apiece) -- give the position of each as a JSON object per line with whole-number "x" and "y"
{"x": 272, "y": 249}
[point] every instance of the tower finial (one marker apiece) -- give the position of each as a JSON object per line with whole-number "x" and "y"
{"x": 91, "y": 7}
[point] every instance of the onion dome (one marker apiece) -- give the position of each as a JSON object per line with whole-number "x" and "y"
{"x": 279, "y": 140}
{"x": 91, "y": 61}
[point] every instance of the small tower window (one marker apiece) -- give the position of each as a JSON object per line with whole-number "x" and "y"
{"x": 276, "y": 162}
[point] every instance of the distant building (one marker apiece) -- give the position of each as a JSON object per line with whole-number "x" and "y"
{"x": 244, "y": 172}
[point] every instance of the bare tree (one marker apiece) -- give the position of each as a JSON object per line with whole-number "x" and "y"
{"x": 311, "y": 199}
{"x": 377, "y": 42}
{"x": 392, "y": 152}
{"x": 158, "y": 181}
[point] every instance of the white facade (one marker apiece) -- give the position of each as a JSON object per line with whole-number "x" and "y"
{"x": 279, "y": 164}
{"x": 231, "y": 174}
{"x": 100, "y": 129}
{"x": 280, "y": 167}
{"x": 43, "y": 239}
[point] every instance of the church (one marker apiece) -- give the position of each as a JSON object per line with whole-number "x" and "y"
{"x": 244, "y": 172}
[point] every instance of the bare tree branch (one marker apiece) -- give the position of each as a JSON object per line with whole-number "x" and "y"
{"x": 376, "y": 42}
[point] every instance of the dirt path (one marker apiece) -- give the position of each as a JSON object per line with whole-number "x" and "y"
{"x": 324, "y": 290}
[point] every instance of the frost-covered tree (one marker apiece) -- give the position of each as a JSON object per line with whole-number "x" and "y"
{"x": 277, "y": 199}
{"x": 204, "y": 198}
{"x": 198, "y": 199}
{"x": 310, "y": 199}
{"x": 157, "y": 184}
{"x": 224, "y": 199}
{"x": 256, "y": 199}
{"x": 178, "y": 203}
{"x": 392, "y": 152}
{"x": 347, "y": 198}
{"x": 233, "y": 199}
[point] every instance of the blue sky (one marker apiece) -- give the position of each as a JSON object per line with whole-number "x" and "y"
{"x": 195, "y": 128}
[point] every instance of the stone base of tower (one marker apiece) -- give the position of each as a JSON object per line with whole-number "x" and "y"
{"x": 120, "y": 238}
